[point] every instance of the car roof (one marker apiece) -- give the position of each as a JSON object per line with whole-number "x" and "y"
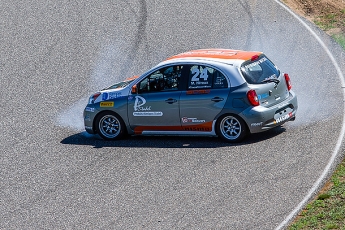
{"x": 228, "y": 60}
{"x": 225, "y": 55}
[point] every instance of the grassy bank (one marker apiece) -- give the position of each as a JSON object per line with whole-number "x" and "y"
{"x": 327, "y": 211}
{"x": 340, "y": 38}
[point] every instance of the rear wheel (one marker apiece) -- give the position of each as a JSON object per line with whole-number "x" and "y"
{"x": 231, "y": 128}
{"x": 110, "y": 126}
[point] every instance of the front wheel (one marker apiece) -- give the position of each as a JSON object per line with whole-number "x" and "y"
{"x": 110, "y": 126}
{"x": 231, "y": 128}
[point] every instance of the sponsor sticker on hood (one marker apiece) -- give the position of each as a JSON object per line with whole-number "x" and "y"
{"x": 111, "y": 95}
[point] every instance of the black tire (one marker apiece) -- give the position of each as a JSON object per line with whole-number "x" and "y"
{"x": 110, "y": 126}
{"x": 231, "y": 128}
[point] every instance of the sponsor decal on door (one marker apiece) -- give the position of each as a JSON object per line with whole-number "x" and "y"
{"x": 191, "y": 120}
{"x": 144, "y": 111}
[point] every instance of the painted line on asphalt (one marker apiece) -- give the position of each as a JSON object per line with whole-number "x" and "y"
{"x": 323, "y": 177}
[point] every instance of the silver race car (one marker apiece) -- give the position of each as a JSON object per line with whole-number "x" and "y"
{"x": 213, "y": 92}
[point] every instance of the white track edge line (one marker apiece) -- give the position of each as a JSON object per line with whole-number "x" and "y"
{"x": 324, "y": 174}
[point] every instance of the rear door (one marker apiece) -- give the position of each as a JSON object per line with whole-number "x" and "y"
{"x": 206, "y": 94}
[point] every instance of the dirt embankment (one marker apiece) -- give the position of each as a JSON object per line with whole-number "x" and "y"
{"x": 329, "y": 15}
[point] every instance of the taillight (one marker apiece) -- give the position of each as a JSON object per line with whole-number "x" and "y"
{"x": 288, "y": 81}
{"x": 253, "y": 98}
{"x": 255, "y": 57}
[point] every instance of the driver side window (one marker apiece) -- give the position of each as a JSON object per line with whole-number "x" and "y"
{"x": 165, "y": 79}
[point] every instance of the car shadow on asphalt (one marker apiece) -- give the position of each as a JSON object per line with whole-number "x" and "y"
{"x": 84, "y": 138}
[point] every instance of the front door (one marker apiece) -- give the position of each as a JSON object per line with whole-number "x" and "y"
{"x": 156, "y": 105}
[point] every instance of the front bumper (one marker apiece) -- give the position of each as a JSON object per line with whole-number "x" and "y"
{"x": 89, "y": 116}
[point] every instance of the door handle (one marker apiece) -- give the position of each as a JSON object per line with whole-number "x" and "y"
{"x": 217, "y": 99}
{"x": 170, "y": 100}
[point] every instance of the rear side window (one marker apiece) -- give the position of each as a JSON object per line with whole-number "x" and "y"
{"x": 204, "y": 77}
{"x": 259, "y": 70}
{"x": 219, "y": 80}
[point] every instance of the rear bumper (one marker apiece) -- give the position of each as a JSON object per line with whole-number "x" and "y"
{"x": 262, "y": 118}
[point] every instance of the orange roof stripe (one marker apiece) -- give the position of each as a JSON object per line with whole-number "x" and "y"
{"x": 217, "y": 53}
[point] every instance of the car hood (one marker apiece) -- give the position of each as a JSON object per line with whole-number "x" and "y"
{"x": 112, "y": 94}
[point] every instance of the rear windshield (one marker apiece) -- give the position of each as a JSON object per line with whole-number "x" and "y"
{"x": 259, "y": 70}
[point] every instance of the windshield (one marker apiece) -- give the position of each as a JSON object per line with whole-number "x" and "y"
{"x": 120, "y": 85}
{"x": 259, "y": 71}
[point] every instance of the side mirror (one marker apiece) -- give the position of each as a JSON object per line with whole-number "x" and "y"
{"x": 134, "y": 89}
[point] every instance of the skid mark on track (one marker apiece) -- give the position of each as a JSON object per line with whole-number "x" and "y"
{"x": 251, "y": 27}
{"x": 111, "y": 66}
{"x": 331, "y": 164}
{"x": 139, "y": 37}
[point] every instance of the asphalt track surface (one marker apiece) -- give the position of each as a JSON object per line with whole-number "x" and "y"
{"x": 55, "y": 176}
